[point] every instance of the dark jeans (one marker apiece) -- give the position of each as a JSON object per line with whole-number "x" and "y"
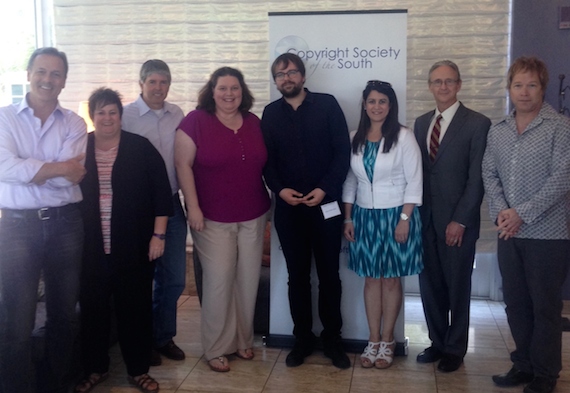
{"x": 533, "y": 274}
{"x": 29, "y": 245}
{"x": 303, "y": 233}
{"x": 170, "y": 277}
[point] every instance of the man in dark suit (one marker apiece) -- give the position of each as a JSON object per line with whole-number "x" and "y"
{"x": 452, "y": 139}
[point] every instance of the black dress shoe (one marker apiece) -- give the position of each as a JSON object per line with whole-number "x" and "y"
{"x": 171, "y": 351}
{"x": 300, "y": 351}
{"x": 449, "y": 363}
{"x": 513, "y": 378}
{"x": 540, "y": 385}
{"x": 429, "y": 355}
{"x": 333, "y": 350}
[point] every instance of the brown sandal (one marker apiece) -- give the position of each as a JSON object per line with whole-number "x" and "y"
{"x": 219, "y": 364}
{"x": 143, "y": 383}
{"x": 245, "y": 354}
{"x": 89, "y": 382}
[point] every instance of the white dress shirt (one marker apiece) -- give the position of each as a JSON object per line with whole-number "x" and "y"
{"x": 26, "y": 145}
{"x": 446, "y": 118}
{"x": 160, "y": 130}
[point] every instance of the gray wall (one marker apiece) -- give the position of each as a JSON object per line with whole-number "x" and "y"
{"x": 535, "y": 32}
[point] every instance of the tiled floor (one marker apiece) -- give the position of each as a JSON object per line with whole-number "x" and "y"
{"x": 489, "y": 346}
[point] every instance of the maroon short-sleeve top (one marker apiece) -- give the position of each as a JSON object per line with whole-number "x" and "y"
{"x": 228, "y": 167}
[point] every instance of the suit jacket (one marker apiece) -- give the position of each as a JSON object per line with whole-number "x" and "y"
{"x": 453, "y": 187}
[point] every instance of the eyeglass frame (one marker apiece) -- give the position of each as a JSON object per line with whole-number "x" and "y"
{"x": 447, "y": 82}
{"x": 290, "y": 74}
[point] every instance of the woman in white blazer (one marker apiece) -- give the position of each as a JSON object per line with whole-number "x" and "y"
{"x": 382, "y": 225}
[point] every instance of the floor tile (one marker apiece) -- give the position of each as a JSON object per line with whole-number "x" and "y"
{"x": 490, "y": 343}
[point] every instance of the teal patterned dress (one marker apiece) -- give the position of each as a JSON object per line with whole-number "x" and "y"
{"x": 375, "y": 253}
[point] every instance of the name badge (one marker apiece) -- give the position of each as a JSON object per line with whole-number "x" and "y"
{"x": 331, "y": 209}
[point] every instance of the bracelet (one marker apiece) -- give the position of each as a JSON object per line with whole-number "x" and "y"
{"x": 347, "y": 220}
{"x": 161, "y": 236}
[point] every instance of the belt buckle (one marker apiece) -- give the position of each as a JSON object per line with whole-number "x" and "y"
{"x": 43, "y": 214}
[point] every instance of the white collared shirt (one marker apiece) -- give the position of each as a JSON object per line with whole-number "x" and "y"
{"x": 139, "y": 119}
{"x": 26, "y": 145}
{"x": 446, "y": 118}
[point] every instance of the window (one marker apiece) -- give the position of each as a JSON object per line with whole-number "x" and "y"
{"x": 19, "y": 33}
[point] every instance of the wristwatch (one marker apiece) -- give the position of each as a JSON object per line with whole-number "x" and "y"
{"x": 404, "y": 217}
{"x": 161, "y": 236}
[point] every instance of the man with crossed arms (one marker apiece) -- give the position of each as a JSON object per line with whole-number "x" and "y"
{"x": 42, "y": 150}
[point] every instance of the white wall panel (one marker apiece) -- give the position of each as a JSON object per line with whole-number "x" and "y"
{"x": 107, "y": 41}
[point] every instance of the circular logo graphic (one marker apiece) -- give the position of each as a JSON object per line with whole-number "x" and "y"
{"x": 292, "y": 44}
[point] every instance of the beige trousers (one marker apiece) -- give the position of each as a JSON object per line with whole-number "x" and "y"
{"x": 230, "y": 254}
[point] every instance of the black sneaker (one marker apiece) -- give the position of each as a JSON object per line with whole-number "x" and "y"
{"x": 513, "y": 378}
{"x": 171, "y": 351}
{"x": 333, "y": 349}
{"x": 540, "y": 385}
{"x": 300, "y": 351}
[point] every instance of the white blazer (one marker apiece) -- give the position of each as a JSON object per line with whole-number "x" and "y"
{"x": 397, "y": 176}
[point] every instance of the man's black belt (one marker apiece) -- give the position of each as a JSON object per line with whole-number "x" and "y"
{"x": 45, "y": 213}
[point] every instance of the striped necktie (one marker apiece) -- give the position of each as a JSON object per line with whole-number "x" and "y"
{"x": 434, "y": 139}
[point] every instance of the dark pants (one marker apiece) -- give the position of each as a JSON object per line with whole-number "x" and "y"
{"x": 170, "y": 277}
{"x": 533, "y": 274}
{"x": 303, "y": 233}
{"x": 29, "y": 245}
{"x": 130, "y": 291}
{"x": 445, "y": 287}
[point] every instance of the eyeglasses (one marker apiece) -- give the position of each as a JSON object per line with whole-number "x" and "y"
{"x": 447, "y": 82}
{"x": 281, "y": 75}
{"x": 378, "y": 83}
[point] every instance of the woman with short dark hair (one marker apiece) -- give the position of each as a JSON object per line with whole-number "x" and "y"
{"x": 125, "y": 208}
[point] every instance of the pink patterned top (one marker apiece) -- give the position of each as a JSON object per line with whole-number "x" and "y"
{"x": 105, "y": 160}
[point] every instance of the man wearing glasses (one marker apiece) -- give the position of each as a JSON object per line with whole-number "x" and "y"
{"x": 452, "y": 140}
{"x": 308, "y": 158}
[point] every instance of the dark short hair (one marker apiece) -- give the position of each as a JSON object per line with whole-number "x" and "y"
{"x": 390, "y": 127}
{"x": 441, "y": 63}
{"x": 104, "y": 96}
{"x": 51, "y": 52}
{"x": 529, "y": 64}
{"x": 154, "y": 66}
{"x": 206, "y": 95}
{"x": 284, "y": 60}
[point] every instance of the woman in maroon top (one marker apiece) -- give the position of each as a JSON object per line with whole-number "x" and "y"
{"x": 219, "y": 157}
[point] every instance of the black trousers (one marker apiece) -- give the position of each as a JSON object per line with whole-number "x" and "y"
{"x": 533, "y": 274}
{"x": 445, "y": 287}
{"x": 129, "y": 292}
{"x": 303, "y": 233}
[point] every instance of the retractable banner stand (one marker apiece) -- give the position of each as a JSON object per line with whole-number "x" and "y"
{"x": 341, "y": 52}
